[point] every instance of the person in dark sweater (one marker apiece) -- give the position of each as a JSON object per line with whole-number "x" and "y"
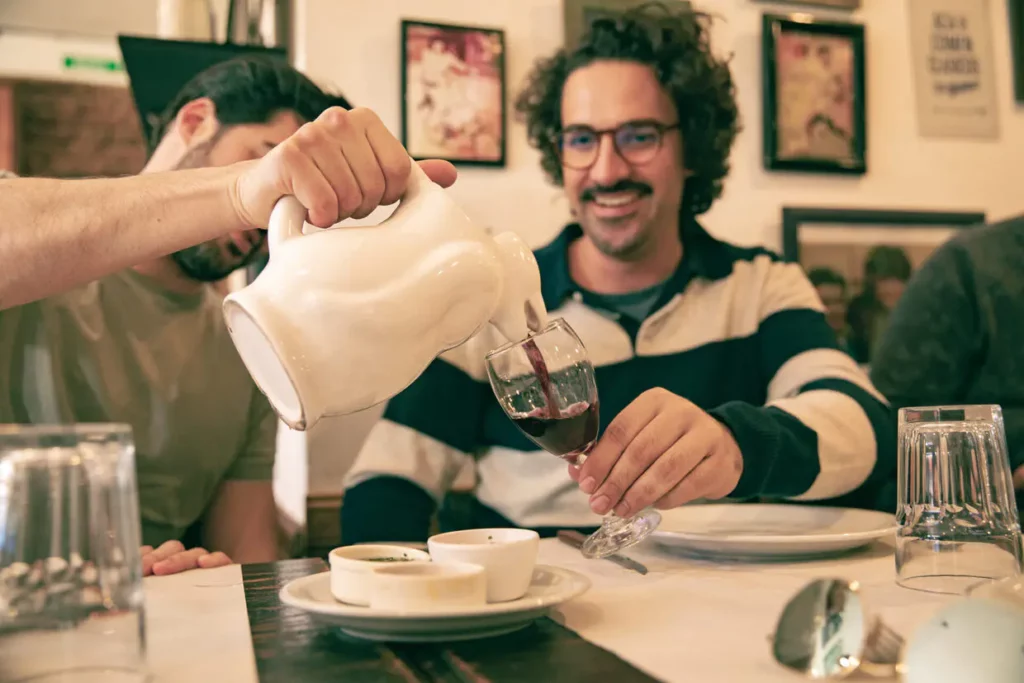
{"x": 952, "y": 338}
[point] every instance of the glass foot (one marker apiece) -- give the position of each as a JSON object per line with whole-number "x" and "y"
{"x": 617, "y": 533}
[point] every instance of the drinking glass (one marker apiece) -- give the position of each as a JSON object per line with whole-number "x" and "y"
{"x": 957, "y": 516}
{"x": 546, "y": 385}
{"x": 71, "y": 597}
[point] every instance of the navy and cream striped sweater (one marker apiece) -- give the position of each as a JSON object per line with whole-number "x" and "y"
{"x": 737, "y": 331}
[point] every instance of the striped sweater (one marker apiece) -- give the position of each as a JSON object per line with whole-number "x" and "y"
{"x": 736, "y": 331}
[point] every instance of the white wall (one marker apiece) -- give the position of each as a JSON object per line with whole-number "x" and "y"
{"x": 355, "y": 45}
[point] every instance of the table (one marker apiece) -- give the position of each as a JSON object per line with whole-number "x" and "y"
{"x": 686, "y": 620}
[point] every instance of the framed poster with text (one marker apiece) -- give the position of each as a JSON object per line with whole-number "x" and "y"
{"x": 954, "y": 69}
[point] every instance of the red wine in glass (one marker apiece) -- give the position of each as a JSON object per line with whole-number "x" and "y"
{"x": 571, "y": 433}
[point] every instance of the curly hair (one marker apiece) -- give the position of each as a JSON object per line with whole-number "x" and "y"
{"x": 676, "y": 46}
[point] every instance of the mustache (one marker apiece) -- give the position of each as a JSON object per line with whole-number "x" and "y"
{"x": 591, "y": 193}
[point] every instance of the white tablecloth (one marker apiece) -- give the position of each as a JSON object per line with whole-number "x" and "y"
{"x": 685, "y": 621}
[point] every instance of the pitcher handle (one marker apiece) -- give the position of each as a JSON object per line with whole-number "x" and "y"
{"x": 289, "y": 215}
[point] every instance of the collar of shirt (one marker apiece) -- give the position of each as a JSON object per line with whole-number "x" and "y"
{"x": 703, "y": 256}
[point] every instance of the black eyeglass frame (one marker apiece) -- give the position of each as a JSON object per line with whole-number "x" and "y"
{"x": 658, "y": 126}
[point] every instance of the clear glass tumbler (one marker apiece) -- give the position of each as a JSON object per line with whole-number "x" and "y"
{"x": 957, "y": 516}
{"x": 71, "y": 596}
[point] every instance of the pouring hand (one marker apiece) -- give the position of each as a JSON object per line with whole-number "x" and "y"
{"x": 172, "y": 558}
{"x": 661, "y": 450}
{"x": 342, "y": 165}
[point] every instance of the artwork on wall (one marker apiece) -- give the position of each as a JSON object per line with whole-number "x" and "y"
{"x": 453, "y": 93}
{"x": 1016, "y": 11}
{"x": 859, "y": 260}
{"x": 954, "y": 68}
{"x": 814, "y": 95}
{"x": 578, "y": 15}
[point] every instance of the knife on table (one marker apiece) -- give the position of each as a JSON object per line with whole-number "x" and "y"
{"x": 575, "y": 539}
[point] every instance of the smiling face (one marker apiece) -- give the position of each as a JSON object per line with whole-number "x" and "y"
{"x": 216, "y": 259}
{"x": 626, "y": 209}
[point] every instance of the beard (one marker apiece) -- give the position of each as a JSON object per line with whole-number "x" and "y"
{"x": 209, "y": 261}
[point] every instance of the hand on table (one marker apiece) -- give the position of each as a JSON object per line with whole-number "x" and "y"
{"x": 662, "y": 450}
{"x": 172, "y": 558}
{"x": 344, "y": 164}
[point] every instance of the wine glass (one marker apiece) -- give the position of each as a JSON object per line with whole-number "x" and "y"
{"x": 545, "y": 384}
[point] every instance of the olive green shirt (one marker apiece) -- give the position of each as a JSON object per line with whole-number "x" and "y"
{"x": 123, "y": 349}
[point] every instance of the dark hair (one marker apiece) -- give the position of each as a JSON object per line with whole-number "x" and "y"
{"x": 675, "y": 45}
{"x": 250, "y": 90}
{"x": 884, "y": 262}
{"x": 825, "y": 276}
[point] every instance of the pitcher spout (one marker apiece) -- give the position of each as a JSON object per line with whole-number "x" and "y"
{"x": 521, "y": 310}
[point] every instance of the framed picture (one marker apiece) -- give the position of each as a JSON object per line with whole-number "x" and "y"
{"x": 578, "y": 15}
{"x": 954, "y": 68}
{"x": 453, "y": 93}
{"x": 814, "y": 95}
{"x": 1016, "y": 10}
{"x": 860, "y": 260}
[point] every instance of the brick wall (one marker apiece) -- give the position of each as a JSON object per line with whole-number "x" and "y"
{"x": 70, "y": 130}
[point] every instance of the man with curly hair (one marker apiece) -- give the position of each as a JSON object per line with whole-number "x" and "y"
{"x": 717, "y": 371}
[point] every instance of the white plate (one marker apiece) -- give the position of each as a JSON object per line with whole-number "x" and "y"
{"x": 770, "y": 531}
{"x": 550, "y": 586}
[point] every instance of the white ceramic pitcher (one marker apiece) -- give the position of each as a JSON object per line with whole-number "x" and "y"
{"x": 344, "y": 318}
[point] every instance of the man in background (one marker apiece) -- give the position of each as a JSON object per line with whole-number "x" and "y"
{"x": 148, "y": 346}
{"x": 886, "y": 272}
{"x": 717, "y": 372}
{"x": 952, "y": 337}
{"x": 831, "y": 287}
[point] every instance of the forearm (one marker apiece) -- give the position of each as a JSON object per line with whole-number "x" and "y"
{"x": 833, "y": 437}
{"x": 59, "y": 234}
{"x": 242, "y": 522}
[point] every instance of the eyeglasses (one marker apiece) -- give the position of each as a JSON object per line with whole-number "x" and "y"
{"x": 637, "y": 142}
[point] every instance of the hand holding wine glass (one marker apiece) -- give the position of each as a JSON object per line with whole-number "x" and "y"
{"x": 546, "y": 385}
{"x": 661, "y": 451}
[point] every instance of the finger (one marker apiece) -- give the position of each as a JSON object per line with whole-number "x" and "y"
{"x": 217, "y": 559}
{"x": 1018, "y": 478}
{"x": 180, "y": 562}
{"x": 393, "y": 159}
{"x": 665, "y": 473}
{"x": 348, "y": 162}
{"x": 574, "y": 473}
{"x": 620, "y": 432}
{"x": 311, "y": 188}
{"x": 145, "y": 549}
{"x": 646, "y": 448}
{"x": 441, "y": 172}
{"x": 711, "y": 478}
{"x": 164, "y": 551}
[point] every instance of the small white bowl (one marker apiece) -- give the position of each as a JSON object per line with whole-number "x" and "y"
{"x": 422, "y": 587}
{"x": 508, "y": 556}
{"x": 353, "y": 566}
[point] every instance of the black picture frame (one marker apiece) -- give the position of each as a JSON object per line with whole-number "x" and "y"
{"x": 449, "y": 33}
{"x": 578, "y": 15}
{"x": 831, "y": 4}
{"x": 794, "y": 217}
{"x": 855, "y": 160}
{"x": 1015, "y": 9}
